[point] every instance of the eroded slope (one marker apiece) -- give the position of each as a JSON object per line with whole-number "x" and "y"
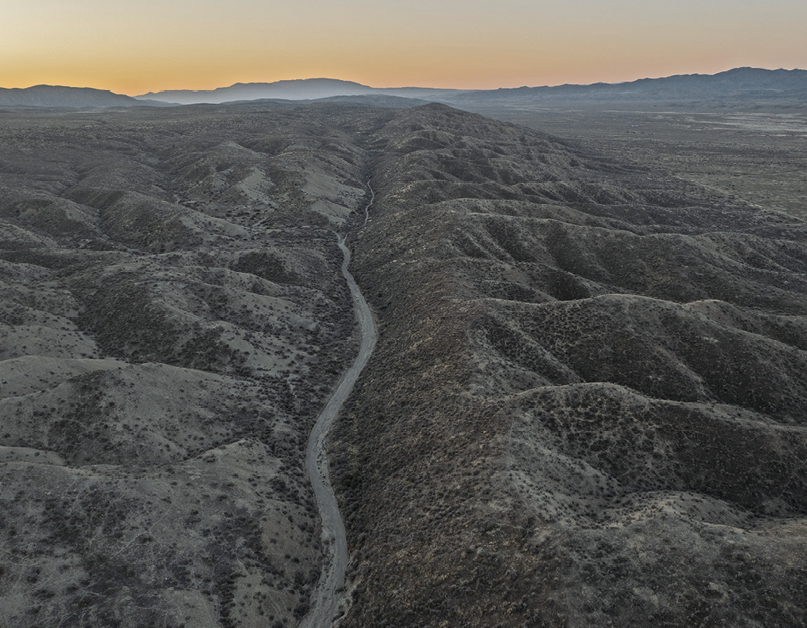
{"x": 172, "y": 320}
{"x": 587, "y": 405}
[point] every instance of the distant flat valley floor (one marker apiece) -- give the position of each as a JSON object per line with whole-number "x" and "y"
{"x": 759, "y": 156}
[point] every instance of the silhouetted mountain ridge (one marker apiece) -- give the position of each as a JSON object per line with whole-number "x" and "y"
{"x": 737, "y": 83}
{"x": 743, "y": 84}
{"x": 299, "y": 89}
{"x": 73, "y": 97}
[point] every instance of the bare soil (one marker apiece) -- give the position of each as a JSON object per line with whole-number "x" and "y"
{"x": 587, "y": 403}
{"x": 586, "y": 406}
{"x": 173, "y": 320}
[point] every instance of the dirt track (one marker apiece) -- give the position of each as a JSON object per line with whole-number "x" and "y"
{"x": 325, "y": 598}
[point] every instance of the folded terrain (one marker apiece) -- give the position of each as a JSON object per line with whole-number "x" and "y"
{"x": 586, "y": 406}
{"x": 172, "y": 320}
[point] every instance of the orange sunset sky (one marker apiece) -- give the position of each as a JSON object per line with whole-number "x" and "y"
{"x": 151, "y": 45}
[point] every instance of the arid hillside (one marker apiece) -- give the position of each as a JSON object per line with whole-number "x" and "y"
{"x": 587, "y": 405}
{"x": 172, "y": 319}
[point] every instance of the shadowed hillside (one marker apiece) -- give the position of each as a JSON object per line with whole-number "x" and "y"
{"x": 588, "y": 401}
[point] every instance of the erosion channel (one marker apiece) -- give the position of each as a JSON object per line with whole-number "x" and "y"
{"x": 324, "y": 601}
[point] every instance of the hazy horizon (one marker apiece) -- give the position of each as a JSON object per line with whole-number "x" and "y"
{"x": 154, "y": 46}
{"x": 228, "y": 85}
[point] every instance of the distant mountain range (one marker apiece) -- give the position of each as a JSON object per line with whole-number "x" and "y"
{"x": 746, "y": 83}
{"x": 307, "y": 89}
{"x": 73, "y": 97}
{"x": 743, "y": 83}
{"x": 738, "y": 84}
{"x": 302, "y": 89}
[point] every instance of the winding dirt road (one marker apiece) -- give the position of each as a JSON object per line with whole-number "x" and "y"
{"x": 370, "y": 204}
{"x": 325, "y": 599}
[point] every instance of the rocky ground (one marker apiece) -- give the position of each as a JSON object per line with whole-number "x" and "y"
{"x": 172, "y": 320}
{"x": 599, "y": 386}
{"x": 586, "y": 406}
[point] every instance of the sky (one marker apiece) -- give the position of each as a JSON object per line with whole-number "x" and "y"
{"x": 136, "y": 46}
